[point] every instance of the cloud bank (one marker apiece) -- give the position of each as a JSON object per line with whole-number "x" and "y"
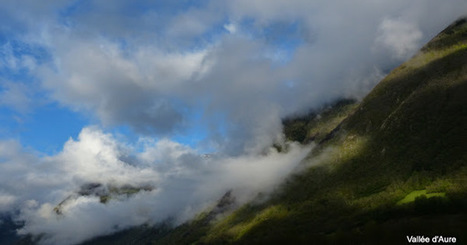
{"x": 270, "y": 59}
{"x": 229, "y": 69}
{"x": 183, "y": 183}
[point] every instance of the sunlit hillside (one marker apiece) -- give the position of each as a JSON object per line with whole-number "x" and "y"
{"x": 390, "y": 166}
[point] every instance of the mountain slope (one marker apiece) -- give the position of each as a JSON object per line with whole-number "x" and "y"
{"x": 392, "y": 166}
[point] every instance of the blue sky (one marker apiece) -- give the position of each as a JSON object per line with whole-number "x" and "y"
{"x": 135, "y": 92}
{"x": 168, "y": 69}
{"x": 27, "y": 114}
{"x": 44, "y": 124}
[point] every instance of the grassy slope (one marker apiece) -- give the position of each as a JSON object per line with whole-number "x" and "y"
{"x": 408, "y": 134}
{"x": 318, "y": 125}
{"x": 404, "y": 141}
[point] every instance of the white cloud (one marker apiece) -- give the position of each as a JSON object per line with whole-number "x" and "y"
{"x": 16, "y": 96}
{"x": 183, "y": 182}
{"x": 119, "y": 87}
{"x": 230, "y": 27}
{"x": 6, "y": 201}
{"x": 401, "y": 38}
{"x": 150, "y": 70}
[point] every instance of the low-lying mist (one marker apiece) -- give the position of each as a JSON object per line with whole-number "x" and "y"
{"x": 222, "y": 74}
{"x": 176, "y": 183}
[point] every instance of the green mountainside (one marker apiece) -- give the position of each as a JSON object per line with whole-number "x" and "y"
{"x": 390, "y": 166}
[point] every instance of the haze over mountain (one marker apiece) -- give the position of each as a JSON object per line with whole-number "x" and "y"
{"x": 137, "y": 113}
{"x": 390, "y": 169}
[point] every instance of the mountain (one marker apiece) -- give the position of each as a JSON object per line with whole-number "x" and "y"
{"x": 389, "y": 167}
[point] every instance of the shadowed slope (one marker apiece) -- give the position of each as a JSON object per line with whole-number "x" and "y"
{"x": 393, "y": 165}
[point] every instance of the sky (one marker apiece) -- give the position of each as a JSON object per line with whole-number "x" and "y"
{"x": 136, "y": 92}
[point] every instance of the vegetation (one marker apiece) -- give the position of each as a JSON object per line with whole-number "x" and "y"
{"x": 391, "y": 166}
{"x": 316, "y": 125}
{"x": 412, "y": 196}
